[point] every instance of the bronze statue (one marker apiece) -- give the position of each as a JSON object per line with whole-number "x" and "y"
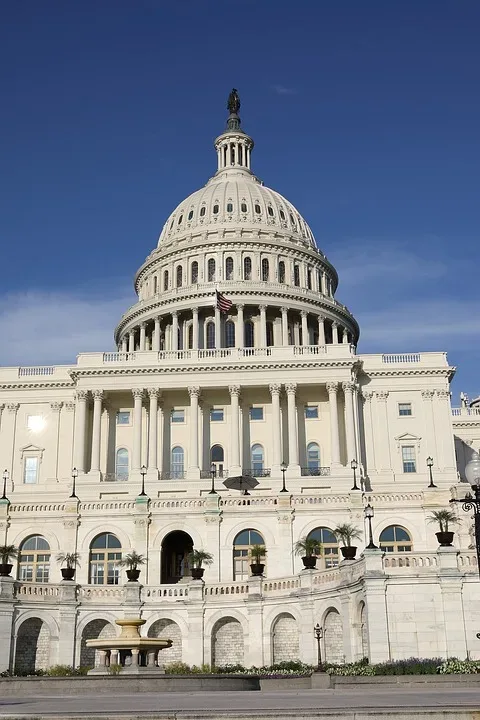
{"x": 233, "y": 104}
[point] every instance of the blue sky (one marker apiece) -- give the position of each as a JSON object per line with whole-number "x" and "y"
{"x": 365, "y": 114}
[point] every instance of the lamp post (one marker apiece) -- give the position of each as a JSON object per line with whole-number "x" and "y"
{"x": 430, "y": 465}
{"x": 283, "y": 468}
{"x": 318, "y": 632}
{"x": 368, "y": 513}
{"x": 74, "y": 486}
{"x": 213, "y": 472}
{"x": 472, "y": 502}
{"x": 5, "y": 480}
{"x": 143, "y": 472}
{"x": 354, "y": 466}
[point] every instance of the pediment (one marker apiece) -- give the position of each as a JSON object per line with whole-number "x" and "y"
{"x": 406, "y": 437}
{"x": 32, "y": 448}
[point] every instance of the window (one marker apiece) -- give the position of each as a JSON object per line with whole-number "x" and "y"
{"x": 105, "y": 555}
{"x": 180, "y": 219}
{"x": 216, "y": 415}
{"x": 270, "y": 211}
{"x": 155, "y": 284}
{"x": 194, "y": 272}
{"x": 313, "y": 456}
{"x": 210, "y": 336}
{"x": 256, "y": 413}
{"x": 282, "y": 215}
{"x": 177, "y": 465}
{"x": 211, "y": 270}
{"x": 408, "y": 459}
{"x": 190, "y": 215}
{"x": 395, "y": 539}
{"x": 34, "y": 560}
{"x": 121, "y": 464}
{"x": 171, "y": 224}
{"x": 247, "y": 268}
{"x": 241, "y": 552}
{"x": 329, "y": 545}
{"x": 311, "y": 412}
{"x": 265, "y": 270}
{"x": 249, "y": 334}
{"x": 177, "y": 416}
{"x": 258, "y": 209}
{"x": 257, "y": 460}
{"x": 243, "y": 207}
{"x": 309, "y": 279}
{"x": 190, "y": 337}
{"x": 215, "y": 209}
{"x": 269, "y": 327}
{"x": 203, "y": 211}
{"x": 229, "y": 268}
{"x": 281, "y": 271}
{"x": 229, "y": 207}
{"x": 404, "y": 409}
{"x": 165, "y": 280}
{"x": 179, "y": 276}
{"x": 30, "y": 470}
{"x": 292, "y": 220}
{"x": 296, "y": 275}
{"x": 123, "y": 417}
{"x": 217, "y": 458}
{"x": 229, "y": 334}
{"x": 35, "y": 423}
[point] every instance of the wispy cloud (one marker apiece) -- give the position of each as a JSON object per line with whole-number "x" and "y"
{"x": 282, "y": 90}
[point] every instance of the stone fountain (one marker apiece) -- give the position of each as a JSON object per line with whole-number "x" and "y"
{"x": 134, "y": 653}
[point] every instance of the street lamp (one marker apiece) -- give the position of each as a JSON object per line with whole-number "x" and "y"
{"x": 430, "y": 465}
{"x": 74, "y": 477}
{"x": 5, "y": 480}
{"x": 283, "y": 468}
{"x": 472, "y": 502}
{"x": 143, "y": 472}
{"x": 318, "y": 632}
{"x": 213, "y": 472}
{"x": 354, "y": 466}
{"x": 368, "y": 514}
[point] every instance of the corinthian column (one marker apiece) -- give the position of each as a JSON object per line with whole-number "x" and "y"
{"x": 240, "y": 330}
{"x": 305, "y": 338}
{"x": 275, "y": 390}
{"x": 193, "y": 468}
{"x": 195, "y": 329}
{"x": 96, "y": 430}
{"x": 263, "y": 325}
{"x": 153, "y": 394}
{"x": 80, "y": 429}
{"x": 137, "y": 428}
{"x": 335, "y": 333}
{"x": 348, "y": 388}
{"x": 143, "y": 335}
{"x": 284, "y": 326}
{"x": 174, "y": 330}
{"x": 156, "y": 335}
{"x": 293, "y": 466}
{"x": 235, "y": 467}
{"x": 321, "y": 330}
{"x": 332, "y": 389}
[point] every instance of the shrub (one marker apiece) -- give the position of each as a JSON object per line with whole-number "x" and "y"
{"x": 177, "y": 668}
{"x": 60, "y": 671}
{"x": 114, "y": 669}
{"x": 410, "y": 666}
{"x": 452, "y": 666}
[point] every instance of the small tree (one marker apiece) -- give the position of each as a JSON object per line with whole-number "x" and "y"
{"x": 347, "y": 532}
{"x": 198, "y": 558}
{"x": 132, "y": 560}
{"x": 7, "y": 553}
{"x": 308, "y": 547}
{"x": 70, "y": 560}
{"x": 443, "y": 518}
{"x": 257, "y": 553}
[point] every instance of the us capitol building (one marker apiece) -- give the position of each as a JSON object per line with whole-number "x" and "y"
{"x": 237, "y": 360}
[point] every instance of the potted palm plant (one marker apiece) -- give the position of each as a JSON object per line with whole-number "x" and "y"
{"x": 197, "y": 559}
{"x": 444, "y": 518}
{"x": 347, "y": 532}
{"x": 257, "y": 554}
{"x": 7, "y": 553}
{"x": 131, "y": 562}
{"x": 308, "y": 548}
{"x": 71, "y": 561}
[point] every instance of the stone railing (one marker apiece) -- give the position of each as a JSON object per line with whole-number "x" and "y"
{"x": 100, "y": 593}
{"x": 409, "y": 560}
{"x": 36, "y": 371}
{"x": 466, "y": 412}
{"x": 171, "y": 593}
{"x": 402, "y": 358}
{"x": 220, "y": 590}
{"x": 41, "y": 592}
{"x": 283, "y": 586}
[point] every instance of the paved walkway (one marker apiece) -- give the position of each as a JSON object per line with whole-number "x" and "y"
{"x": 300, "y": 704}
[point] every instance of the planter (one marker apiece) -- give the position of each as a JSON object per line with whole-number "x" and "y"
{"x": 257, "y": 568}
{"x": 445, "y": 539}
{"x": 5, "y": 569}
{"x": 133, "y": 575}
{"x": 348, "y": 552}
{"x": 310, "y": 562}
{"x": 197, "y": 573}
{"x": 67, "y": 573}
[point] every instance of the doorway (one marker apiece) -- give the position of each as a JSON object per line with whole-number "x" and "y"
{"x": 176, "y": 547}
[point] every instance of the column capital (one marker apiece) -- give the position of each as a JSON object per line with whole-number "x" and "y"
{"x": 97, "y": 394}
{"x": 143, "y": 324}
{"x": 56, "y": 406}
{"x": 69, "y": 406}
{"x": 291, "y": 388}
{"x": 367, "y": 395}
{"x": 234, "y": 390}
{"x": 262, "y": 308}
{"x": 334, "y": 324}
{"x": 158, "y": 318}
{"x": 284, "y": 310}
{"x": 332, "y": 387}
{"x": 427, "y": 394}
{"x": 137, "y": 392}
{"x": 240, "y": 306}
{"x": 321, "y": 319}
{"x": 303, "y": 313}
{"x": 154, "y": 392}
{"x": 174, "y": 313}
{"x": 131, "y": 331}
{"x": 195, "y": 311}
{"x": 275, "y": 388}
{"x": 348, "y": 387}
{"x": 12, "y": 407}
{"x": 382, "y": 395}
{"x": 194, "y": 391}
{"x": 81, "y": 395}
{"x": 443, "y": 394}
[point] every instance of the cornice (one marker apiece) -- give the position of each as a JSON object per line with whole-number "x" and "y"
{"x": 36, "y": 385}
{"x": 438, "y": 372}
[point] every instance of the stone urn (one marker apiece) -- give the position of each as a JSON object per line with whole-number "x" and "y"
{"x": 348, "y": 552}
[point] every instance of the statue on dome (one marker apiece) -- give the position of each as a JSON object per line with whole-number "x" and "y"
{"x": 233, "y": 104}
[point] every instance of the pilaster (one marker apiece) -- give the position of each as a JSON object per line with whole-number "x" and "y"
{"x": 7, "y": 608}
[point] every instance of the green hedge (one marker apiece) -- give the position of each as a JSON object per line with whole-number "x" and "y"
{"x": 410, "y": 666}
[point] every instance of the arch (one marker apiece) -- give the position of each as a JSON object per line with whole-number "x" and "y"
{"x": 333, "y": 637}
{"x": 229, "y": 334}
{"x": 265, "y": 270}
{"x": 100, "y": 528}
{"x": 210, "y": 333}
{"x": 242, "y": 543}
{"x": 217, "y": 458}
{"x": 281, "y": 272}
{"x": 98, "y": 628}
{"x": 165, "y": 279}
{"x": 34, "y": 560}
{"x": 121, "y": 464}
{"x": 328, "y": 543}
{"x": 179, "y": 276}
{"x": 227, "y": 647}
{"x": 229, "y": 268}
{"x": 176, "y": 548}
{"x": 32, "y": 649}
{"x": 249, "y": 334}
{"x": 194, "y": 273}
{"x": 211, "y": 270}
{"x": 285, "y": 642}
{"x": 247, "y": 268}
{"x": 177, "y": 463}
{"x": 313, "y": 456}
{"x": 104, "y": 558}
{"x": 257, "y": 458}
{"x": 296, "y": 275}
{"x": 395, "y": 538}
{"x": 167, "y": 630}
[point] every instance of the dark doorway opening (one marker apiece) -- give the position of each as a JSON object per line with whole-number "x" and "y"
{"x": 176, "y": 547}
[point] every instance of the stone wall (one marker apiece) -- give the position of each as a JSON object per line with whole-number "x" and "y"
{"x": 33, "y": 646}
{"x": 167, "y": 630}
{"x": 285, "y": 639}
{"x": 333, "y": 637}
{"x": 93, "y": 630}
{"x": 227, "y": 642}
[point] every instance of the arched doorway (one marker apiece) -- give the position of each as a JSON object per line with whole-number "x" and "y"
{"x": 285, "y": 639}
{"x": 168, "y": 630}
{"x": 227, "y": 642}
{"x": 176, "y": 547}
{"x": 95, "y": 629}
{"x": 33, "y": 647}
{"x": 333, "y": 637}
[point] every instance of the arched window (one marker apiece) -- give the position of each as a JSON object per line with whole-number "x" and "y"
{"x": 194, "y": 272}
{"x": 210, "y": 336}
{"x": 319, "y": 281}
{"x": 309, "y": 279}
{"x": 282, "y": 215}
{"x": 155, "y": 284}
{"x": 257, "y": 459}
{"x": 203, "y": 210}
{"x": 229, "y": 207}
{"x": 265, "y": 270}
{"x": 249, "y": 334}
{"x": 296, "y": 275}
{"x": 216, "y": 209}
{"x": 121, "y": 464}
{"x": 241, "y": 552}
{"x": 177, "y": 464}
{"x": 258, "y": 209}
{"x": 190, "y": 337}
{"x": 180, "y": 219}
{"x": 190, "y": 215}
{"x": 395, "y": 539}
{"x": 281, "y": 271}
{"x": 329, "y": 543}
{"x": 217, "y": 458}
{"x": 229, "y": 268}
{"x": 269, "y": 334}
{"x": 292, "y": 220}
{"x": 34, "y": 560}
{"x": 229, "y": 334}
{"x": 243, "y": 207}
{"x": 270, "y": 211}
{"x": 313, "y": 458}
{"x": 165, "y": 280}
{"x": 211, "y": 270}
{"x": 247, "y": 268}
{"x": 105, "y": 555}
{"x": 179, "y": 276}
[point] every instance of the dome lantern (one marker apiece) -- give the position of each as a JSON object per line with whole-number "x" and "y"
{"x": 234, "y": 146}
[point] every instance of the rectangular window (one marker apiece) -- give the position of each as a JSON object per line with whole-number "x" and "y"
{"x": 408, "y": 459}
{"x": 216, "y": 415}
{"x": 177, "y": 416}
{"x": 404, "y": 409}
{"x": 123, "y": 417}
{"x": 311, "y": 412}
{"x": 256, "y": 413}
{"x": 30, "y": 470}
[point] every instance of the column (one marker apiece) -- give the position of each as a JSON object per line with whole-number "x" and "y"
{"x": 240, "y": 329}
{"x": 367, "y": 396}
{"x": 156, "y": 335}
{"x": 305, "y": 338}
{"x": 321, "y": 330}
{"x": 124, "y": 344}
{"x": 96, "y": 430}
{"x": 235, "y": 465}
{"x": 263, "y": 325}
{"x": 275, "y": 390}
{"x": 153, "y": 394}
{"x": 324, "y": 284}
{"x": 443, "y": 430}
{"x": 218, "y": 329}
{"x": 284, "y": 326}
{"x": 131, "y": 341}
{"x": 345, "y": 336}
{"x": 193, "y": 470}
{"x": 142, "y": 335}
{"x": 430, "y": 445}
{"x": 348, "y": 388}
{"x": 293, "y": 467}
{"x": 80, "y": 427}
{"x": 332, "y": 389}
{"x": 55, "y": 408}
{"x": 137, "y": 428}
{"x": 335, "y": 333}
{"x": 174, "y": 337}
{"x": 382, "y": 440}
{"x": 195, "y": 328}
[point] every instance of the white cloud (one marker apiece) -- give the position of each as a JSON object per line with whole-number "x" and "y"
{"x": 282, "y": 90}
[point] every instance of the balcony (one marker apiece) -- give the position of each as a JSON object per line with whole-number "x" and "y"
{"x": 315, "y": 471}
{"x": 256, "y": 472}
{"x": 173, "y": 475}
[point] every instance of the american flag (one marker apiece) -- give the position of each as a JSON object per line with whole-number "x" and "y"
{"x": 222, "y": 303}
